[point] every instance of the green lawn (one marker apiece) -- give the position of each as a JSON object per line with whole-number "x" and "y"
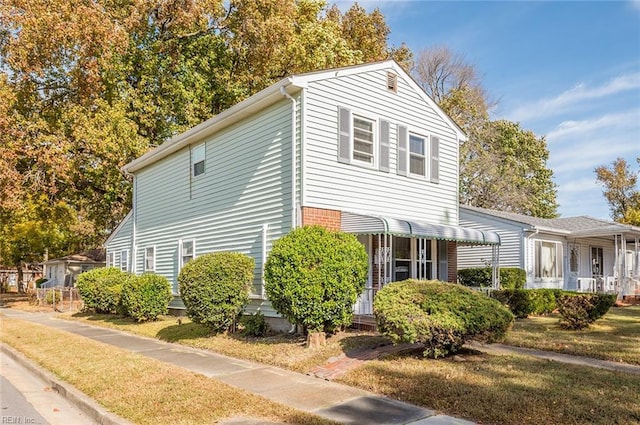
{"x": 615, "y": 337}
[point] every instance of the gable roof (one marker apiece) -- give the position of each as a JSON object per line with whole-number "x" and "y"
{"x": 89, "y": 256}
{"x": 270, "y": 95}
{"x": 574, "y": 226}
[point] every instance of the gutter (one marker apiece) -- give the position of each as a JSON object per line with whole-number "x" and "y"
{"x": 294, "y": 153}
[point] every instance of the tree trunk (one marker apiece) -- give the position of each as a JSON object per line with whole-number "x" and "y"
{"x": 20, "y": 278}
{"x": 316, "y": 340}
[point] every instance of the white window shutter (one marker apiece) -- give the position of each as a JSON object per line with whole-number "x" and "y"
{"x": 384, "y": 146}
{"x": 403, "y": 140}
{"x": 344, "y": 135}
{"x": 435, "y": 159}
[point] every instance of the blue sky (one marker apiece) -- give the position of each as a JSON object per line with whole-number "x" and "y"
{"x": 569, "y": 71}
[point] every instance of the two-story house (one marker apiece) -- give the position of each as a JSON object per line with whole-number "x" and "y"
{"x": 361, "y": 149}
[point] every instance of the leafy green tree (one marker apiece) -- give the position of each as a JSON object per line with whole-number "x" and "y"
{"x": 621, "y": 190}
{"x": 504, "y": 167}
{"x": 89, "y": 86}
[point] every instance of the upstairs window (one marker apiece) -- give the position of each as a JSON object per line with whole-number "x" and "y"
{"x": 363, "y": 140}
{"x": 197, "y": 159}
{"x": 417, "y": 155}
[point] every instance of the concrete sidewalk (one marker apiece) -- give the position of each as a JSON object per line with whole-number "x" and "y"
{"x": 330, "y": 400}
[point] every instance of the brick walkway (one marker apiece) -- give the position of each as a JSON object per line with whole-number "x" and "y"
{"x": 340, "y": 365}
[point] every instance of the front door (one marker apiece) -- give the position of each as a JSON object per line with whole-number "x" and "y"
{"x": 597, "y": 267}
{"x": 574, "y": 266}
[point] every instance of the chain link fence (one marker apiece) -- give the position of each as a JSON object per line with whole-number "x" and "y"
{"x": 59, "y": 298}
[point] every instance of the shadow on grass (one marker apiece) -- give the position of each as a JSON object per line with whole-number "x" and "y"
{"x": 182, "y": 332}
{"x": 505, "y": 390}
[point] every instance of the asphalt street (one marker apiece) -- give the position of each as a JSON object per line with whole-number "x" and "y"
{"x": 26, "y": 399}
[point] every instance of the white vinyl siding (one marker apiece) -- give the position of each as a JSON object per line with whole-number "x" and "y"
{"x": 247, "y": 185}
{"x": 511, "y": 242}
{"x": 332, "y": 184}
{"x": 120, "y": 239}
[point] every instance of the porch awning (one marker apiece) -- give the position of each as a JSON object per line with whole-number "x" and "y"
{"x": 372, "y": 225}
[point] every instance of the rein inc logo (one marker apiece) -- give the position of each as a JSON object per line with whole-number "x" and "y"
{"x": 17, "y": 420}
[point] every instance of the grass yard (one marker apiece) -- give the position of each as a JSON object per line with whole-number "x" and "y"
{"x": 615, "y": 337}
{"x": 483, "y": 388}
{"x": 516, "y": 390}
{"x": 282, "y": 350}
{"x": 163, "y": 394}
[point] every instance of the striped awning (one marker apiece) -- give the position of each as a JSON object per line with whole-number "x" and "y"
{"x": 374, "y": 225}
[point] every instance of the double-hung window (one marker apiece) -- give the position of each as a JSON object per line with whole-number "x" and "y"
{"x": 417, "y": 155}
{"x": 150, "y": 259}
{"x": 363, "y": 140}
{"x": 124, "y": 260}
{"x": 187, "y": 251}
{"x": 197, "y": 159}
{"x": 548, "y": 259}
{"x": 111, "y": 259}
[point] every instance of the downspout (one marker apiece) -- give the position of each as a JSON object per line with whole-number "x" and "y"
{"x": 294, "y": 153}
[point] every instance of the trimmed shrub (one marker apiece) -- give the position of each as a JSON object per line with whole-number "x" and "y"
{"x": 146, "y": 297}
{"x": 53, "y": 297}
{"x": 578, "y": 311}
{"x": 544, "y": 301}
{"x": 254, "y": 325}
{"x": 475, "y": 276}
{"x": 40, "y": 281}
{"x": 440, "y": 315}
{"x": 313, "y": 277}
{"x": 518, "y": 301}
{"x": 215, "y": 288}
{"x": 101, "y": 289}
{"x": 510, "y": 277}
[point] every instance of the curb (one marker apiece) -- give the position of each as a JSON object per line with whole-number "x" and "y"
{"x": 98, "y": 413}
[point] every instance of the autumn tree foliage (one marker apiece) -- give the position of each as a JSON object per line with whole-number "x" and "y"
{"x": 621, "y": 190}
{"x": 87, "y": 86}
{"x": 502, "y": 166}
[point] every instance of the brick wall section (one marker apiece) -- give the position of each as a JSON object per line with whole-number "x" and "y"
{"x": 329, "y": 219}
{"x": 452, "y": 258}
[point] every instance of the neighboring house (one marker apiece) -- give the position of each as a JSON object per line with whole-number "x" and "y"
{"x": 361, "y": 149}
{"x": 65, "y": 270}
{"x": 572, "y": 253}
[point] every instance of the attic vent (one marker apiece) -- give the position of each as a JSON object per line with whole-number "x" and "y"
{"x": 392, "y": 82}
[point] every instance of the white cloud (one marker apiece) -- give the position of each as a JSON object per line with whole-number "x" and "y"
{"x": 575, "y": 95}
{"x": 573, "y": 128}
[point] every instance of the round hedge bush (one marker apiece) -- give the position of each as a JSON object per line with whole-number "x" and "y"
{"x": 146, "y": 297}
{"x": 215, "y": 288}
{"x": 442, "y": 316}
{"x": 313, "y": 277}
{"x": 101, "y": 289}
